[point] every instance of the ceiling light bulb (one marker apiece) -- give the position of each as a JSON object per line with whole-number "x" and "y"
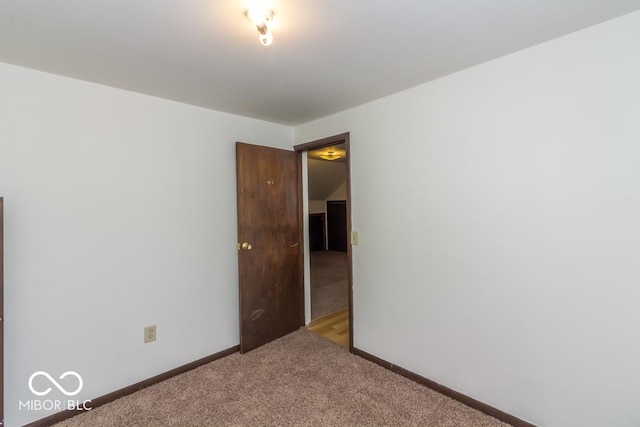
{"x": 260, "y": 16}
{"x": 262, "y": 19}
{"x": 266, "y": 39}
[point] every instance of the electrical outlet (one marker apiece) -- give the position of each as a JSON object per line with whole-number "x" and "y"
{"x": 149, "y": 333}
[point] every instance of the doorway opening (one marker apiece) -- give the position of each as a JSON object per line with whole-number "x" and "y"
{"x": 328, "y": 274}
{"x": 327, "y": 235}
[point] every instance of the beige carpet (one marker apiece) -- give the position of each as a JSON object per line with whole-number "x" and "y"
{"x": 298, "y": 380}
{"x": 329, "y": 282}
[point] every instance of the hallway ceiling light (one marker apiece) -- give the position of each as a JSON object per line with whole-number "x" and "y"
{"x": 262, "y": 19}
{"x": 330, "y": 156}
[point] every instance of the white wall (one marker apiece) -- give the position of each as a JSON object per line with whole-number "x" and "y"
{"x": 120, "y": 212}
{"x": 503, "y": 260}
{"x": 317, "y": 206}
{"x": 340, "y": 193}
{"x": 320, "y": 206}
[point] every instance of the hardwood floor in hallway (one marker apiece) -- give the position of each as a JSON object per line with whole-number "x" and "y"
{"x": 334, "y": 326}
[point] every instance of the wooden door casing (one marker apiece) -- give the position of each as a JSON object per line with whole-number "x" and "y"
{"x": 269, "y": 226}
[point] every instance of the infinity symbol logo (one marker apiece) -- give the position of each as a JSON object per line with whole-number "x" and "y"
{"x": 55, "y": 383}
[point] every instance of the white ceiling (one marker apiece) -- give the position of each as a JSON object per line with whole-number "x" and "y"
{"x": 327, "y": 55}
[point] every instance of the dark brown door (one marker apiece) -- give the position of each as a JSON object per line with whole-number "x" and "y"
{"x": 316, "y": 232}
{"x": 269, "y": 244}
{"x": 1, "y": 311}
{"x": 337, "y": 225}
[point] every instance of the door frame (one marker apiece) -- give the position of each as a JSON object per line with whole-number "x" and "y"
{"x": 342, "y": 138}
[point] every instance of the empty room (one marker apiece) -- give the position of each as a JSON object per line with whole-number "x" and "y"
{"x": 320, "y": 213}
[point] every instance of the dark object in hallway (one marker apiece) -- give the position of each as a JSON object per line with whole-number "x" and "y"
{"x": 317, "y": 232}
{"x": 337, "y": 225}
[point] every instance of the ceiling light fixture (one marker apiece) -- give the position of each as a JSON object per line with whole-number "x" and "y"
{"x": 330, "y": 156}
{"x": 262, "y": 19}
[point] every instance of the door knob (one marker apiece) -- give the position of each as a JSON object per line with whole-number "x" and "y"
{"x": 246, "y": 246}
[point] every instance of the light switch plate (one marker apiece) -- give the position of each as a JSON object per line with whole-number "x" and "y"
{"x": 354, "y": 238}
